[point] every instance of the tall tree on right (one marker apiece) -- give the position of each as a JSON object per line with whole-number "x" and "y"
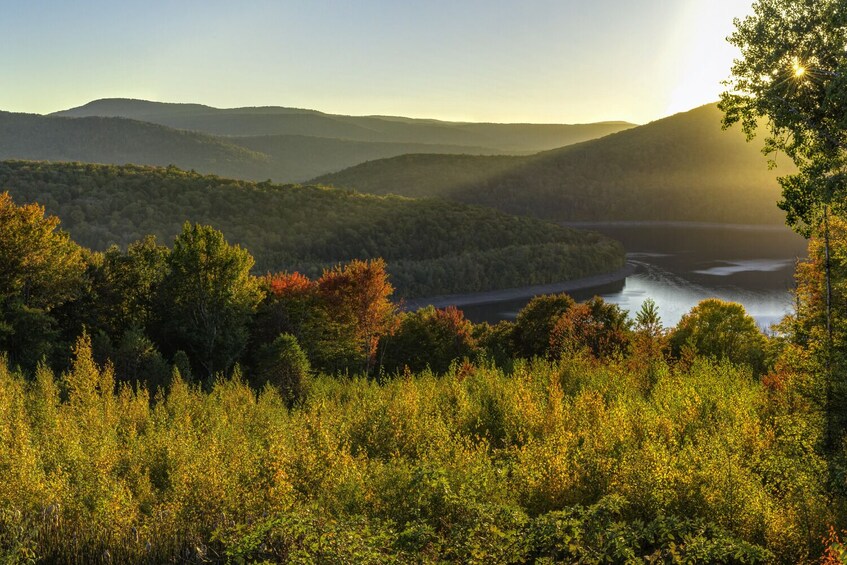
{"x": 792, "y": 76}
{"x": 793, "y": 72}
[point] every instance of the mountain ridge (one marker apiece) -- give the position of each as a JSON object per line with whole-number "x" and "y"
{"x": 276, "y": 120}
{"x": 684, "y": 167}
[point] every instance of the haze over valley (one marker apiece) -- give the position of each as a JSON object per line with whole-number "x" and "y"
{"x": 282, "y": 144}
{"x": 681, "y": 168}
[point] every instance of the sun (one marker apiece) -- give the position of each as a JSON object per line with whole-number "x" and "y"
{"x": 799, "y": 70}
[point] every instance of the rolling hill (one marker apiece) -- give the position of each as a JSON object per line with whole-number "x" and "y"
{"x": 431, "y": 246}
{"x": 262, "y": 121}
{"x": 119, "y": 141}
{"x": 297, "y": 158}
{"x": 681, "y": 168}
{"x": 280, "y": 144}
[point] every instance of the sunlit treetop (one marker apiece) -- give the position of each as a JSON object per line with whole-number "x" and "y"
{"x": 792, "y": 68}
{"x": 793, "y": 73}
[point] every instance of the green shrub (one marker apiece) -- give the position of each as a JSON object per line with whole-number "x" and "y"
{"x": 283, "y": 365}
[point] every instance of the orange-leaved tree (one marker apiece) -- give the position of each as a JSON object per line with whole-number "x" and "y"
{"x": 357, "y": 306}
{"x": 598, "y": 326}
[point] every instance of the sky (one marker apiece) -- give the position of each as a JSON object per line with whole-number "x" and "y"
{"x": 542, "y": 61}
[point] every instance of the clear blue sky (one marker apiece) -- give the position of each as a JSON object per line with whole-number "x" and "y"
{"x": 565, "y": 61}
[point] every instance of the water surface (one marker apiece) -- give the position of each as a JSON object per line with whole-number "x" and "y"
{"x": 678, "y": 265}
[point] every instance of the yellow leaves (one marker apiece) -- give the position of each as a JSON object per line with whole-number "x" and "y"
{"x": 40, "y": 264}
{"x": 440, "y": 455}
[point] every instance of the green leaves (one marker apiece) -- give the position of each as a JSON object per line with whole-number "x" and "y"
{"x": 207, "y": 298}
{"x": 721, "y": 330}
{"x": 793, "y": 72}
{"x": 42, "y": 269}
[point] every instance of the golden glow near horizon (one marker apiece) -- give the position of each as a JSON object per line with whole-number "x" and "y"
{"x": 524, "y": 61}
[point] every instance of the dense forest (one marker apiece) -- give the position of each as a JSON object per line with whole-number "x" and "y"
{"x": 432, "y": 247}
{"x": 163, "y": 404}
{"x": 683, "y": 168}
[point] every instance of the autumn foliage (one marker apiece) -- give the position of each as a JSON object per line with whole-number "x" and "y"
{"x": 601, "y": 328}
{"x": 208, "y": 415}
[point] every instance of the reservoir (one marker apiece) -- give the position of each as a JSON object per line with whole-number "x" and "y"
{"x": 680, "y": 264}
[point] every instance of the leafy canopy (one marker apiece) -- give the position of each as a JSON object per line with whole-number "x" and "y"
{"x": 793, "y": 71}
{"x": 720, "y": 329}
{"x": 210, "y": 295}
{"x": 41, "y": 265}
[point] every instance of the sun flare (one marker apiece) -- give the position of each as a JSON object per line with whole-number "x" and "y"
{"x": 799, "y": 70}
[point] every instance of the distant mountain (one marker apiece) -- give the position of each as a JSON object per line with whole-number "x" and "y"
{"x": 498, "y": 138}
{"x": 432, "y": 247}
{"x": 297, "y": 158}
{"x": 120, "y": 141}
{"x": 684, "y": 168}
{"x": 281, "y": 144}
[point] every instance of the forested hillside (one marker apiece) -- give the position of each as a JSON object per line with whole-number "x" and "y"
{"x": 285, "y": 145}
{"x": 684, "y": 167}
{"x": 293, "y": 121}
{"x": 433, "y": 247}
{"x": 295, "y": 158}
{"x": 119, "y": 141}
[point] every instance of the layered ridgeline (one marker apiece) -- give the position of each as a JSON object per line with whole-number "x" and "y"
{"x": 431, "y": 246}
{"x": 683, "y": 168}
{"x": 120, "y": 141}
{"x": 493, "y": 138}
{"x": 281, "y": 144}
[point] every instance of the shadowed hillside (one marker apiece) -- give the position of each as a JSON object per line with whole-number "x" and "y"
{"x": 300, "y": 157}
{"x": 112, "y": 140}
{"x": 680, "y": 168}
{"x": 432, "y": 247}
{"x": 281, "y": 144}
{"x": 119, "y": 141}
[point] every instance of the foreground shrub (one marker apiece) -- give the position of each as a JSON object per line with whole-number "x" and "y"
{"x": 283, "y": 365}
{"x": 573, "y": 460}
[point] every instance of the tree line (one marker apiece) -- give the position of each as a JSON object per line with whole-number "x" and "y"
{"x": 431, "y": 247}
{"x": 197, "y": 306}
{"x": 356, "y": 433}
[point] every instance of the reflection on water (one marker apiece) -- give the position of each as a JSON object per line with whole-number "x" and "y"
{"x": 678, "y": 266}
{"x": 732, "y": 267}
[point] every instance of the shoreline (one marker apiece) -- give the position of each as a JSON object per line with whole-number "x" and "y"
{"x": 506, "y": 294}
{"x": 675, "y": 224}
